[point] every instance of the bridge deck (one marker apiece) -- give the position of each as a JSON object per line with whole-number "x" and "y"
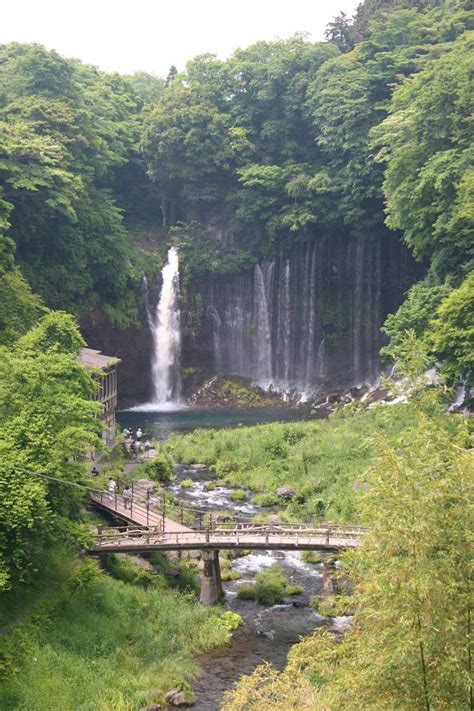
{"x": 135, "y": 512}
{"x": 151, "y": 530}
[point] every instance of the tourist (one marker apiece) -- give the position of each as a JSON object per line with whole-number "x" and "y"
{"x": 94, "y": 471}
{"x": 147, "y": 448}
{"x": 127, "y": 497}
{"x": 139, "y": 435}
{"x": 126, "y": 432}
{"x": 133, "y": 449}
{"x": 111, "y": 486}
{"x": 130, "y": 433}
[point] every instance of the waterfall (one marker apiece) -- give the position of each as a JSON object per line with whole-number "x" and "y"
{"x": 165, "y": 328}
{"x": 307, "y": 321}
{"x": 263, "y": 334}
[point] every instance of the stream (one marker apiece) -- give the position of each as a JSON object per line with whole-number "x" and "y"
{"x": 268, "y": 632}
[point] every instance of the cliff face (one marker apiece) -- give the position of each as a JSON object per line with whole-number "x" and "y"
{"x": 307, "y": 321}
{"x": 132, "y": 345}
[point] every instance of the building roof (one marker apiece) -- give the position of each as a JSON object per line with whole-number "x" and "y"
{"x": 94, "y": 359}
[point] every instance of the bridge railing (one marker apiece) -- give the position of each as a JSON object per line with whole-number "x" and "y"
{"x": 153, "y": 512}
{"x": 127, "y": 507}
{"x": 269, "y": 534}
{"x": 162, "y": 507}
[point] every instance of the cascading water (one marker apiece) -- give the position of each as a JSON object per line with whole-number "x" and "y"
{"x": 308, "y": 321}
{"x": 165, "y": 328}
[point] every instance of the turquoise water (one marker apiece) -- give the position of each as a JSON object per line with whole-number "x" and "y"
{"x": 161, "y": 425}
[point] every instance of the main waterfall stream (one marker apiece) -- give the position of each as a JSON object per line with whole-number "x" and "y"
{"x": 165, "y": 327}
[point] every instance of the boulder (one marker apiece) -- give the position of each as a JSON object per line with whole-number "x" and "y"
{"x": 171, "y": 694}
{"x": 198, "y": 467}
{"x": 151, "y": 707}
{"x": 179, "y": 699}
{"x": 285, "y": 492}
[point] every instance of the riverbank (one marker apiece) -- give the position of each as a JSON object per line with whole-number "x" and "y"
{"x": 93, "y": 642}
{"x": 321, "y": 463}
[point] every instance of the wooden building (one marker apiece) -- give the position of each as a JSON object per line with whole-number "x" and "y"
{"x": 107, "y": 392}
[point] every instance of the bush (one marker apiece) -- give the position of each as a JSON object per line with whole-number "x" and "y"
{"x": 294, "y": 589}
{"x": 311, "y": 557}
{"x": 246, "y": 592}
{"x": 270, "y": 586}
{"x": 238, "y": 495}
{"x": 187, "y": 483}
{"x": 128, "y": 572}
{"x": 158, "y": 469}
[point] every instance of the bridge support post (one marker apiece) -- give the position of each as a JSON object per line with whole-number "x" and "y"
{"x": 211, "y": 584}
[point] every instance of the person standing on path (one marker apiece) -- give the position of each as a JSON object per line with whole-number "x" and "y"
{"x": 139, "y": 435}
{"x": 147, "y": 446}
{"x": 127, "y": 497}
{"x": 111, "y": 486}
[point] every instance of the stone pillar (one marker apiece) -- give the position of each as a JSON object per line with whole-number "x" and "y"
{"x": 211, "y": 585}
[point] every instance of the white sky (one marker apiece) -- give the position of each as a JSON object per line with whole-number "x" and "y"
{"x": 152, "y": 35}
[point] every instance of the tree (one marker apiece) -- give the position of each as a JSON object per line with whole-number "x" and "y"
{"x": 426, "y": 144}
{"x": 65, "y": 128}
{"x": 415, "y": 313}
{"x": 451, "y": 333}
{"x": 19, "y": 307}
{"x": 48, "y": 425}
{"x": 410, "y": 643}
{"x": 340, "y": 32}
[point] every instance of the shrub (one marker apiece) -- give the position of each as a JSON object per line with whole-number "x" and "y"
{"x": 311, "y": 557}
{"x": 294, "y": 589}
{"x": 238, "y": 495}
{"x": 158, "y": 469}
{"x": 186, "y": 483}
{"x": 247, "y": 592}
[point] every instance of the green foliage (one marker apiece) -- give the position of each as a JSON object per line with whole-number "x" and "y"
{"x": 415, "y": 313}
{"x": 409, "y": 648}
{"x": 323, "y": 460}
{"x": 311, "y": 557}
{"x": 451, "y": 333}
{"x": 48, "y": 424}
{"x": 69, "y": 139}
{"x": 426, "y": 145}
{"x": 159, "y": 468}
{"x": 266, "y": 500}
{"x": 19, "y": 307}
{"x": 246, "y": 592}
{"x": 110, "y": 645}
{"x": 270, "y": 587}
{"x": 449, "y": 336}
{"x": 238, "y": 495}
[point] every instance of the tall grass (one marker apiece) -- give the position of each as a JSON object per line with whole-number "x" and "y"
{"x": 323, "y": 460}
{"x": 105, "y": 645}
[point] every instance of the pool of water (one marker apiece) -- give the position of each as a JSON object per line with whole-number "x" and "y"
{"x": 161, "y": 425}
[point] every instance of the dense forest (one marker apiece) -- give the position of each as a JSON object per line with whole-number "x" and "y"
{"x": 286, "y": 141}
{"x": 365, "y": 136}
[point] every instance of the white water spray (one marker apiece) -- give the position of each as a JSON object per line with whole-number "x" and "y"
{"x": 165, "y": 327}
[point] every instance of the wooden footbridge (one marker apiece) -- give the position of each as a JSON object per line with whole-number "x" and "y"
{"x": 153, "y": 526}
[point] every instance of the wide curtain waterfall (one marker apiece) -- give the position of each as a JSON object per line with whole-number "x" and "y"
{"x": 166, "y": 330}
{"x": 307, "y": 321}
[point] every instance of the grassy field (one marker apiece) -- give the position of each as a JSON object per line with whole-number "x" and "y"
{"x": 323, "y": 460}
{"x": 95, "y": 643}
